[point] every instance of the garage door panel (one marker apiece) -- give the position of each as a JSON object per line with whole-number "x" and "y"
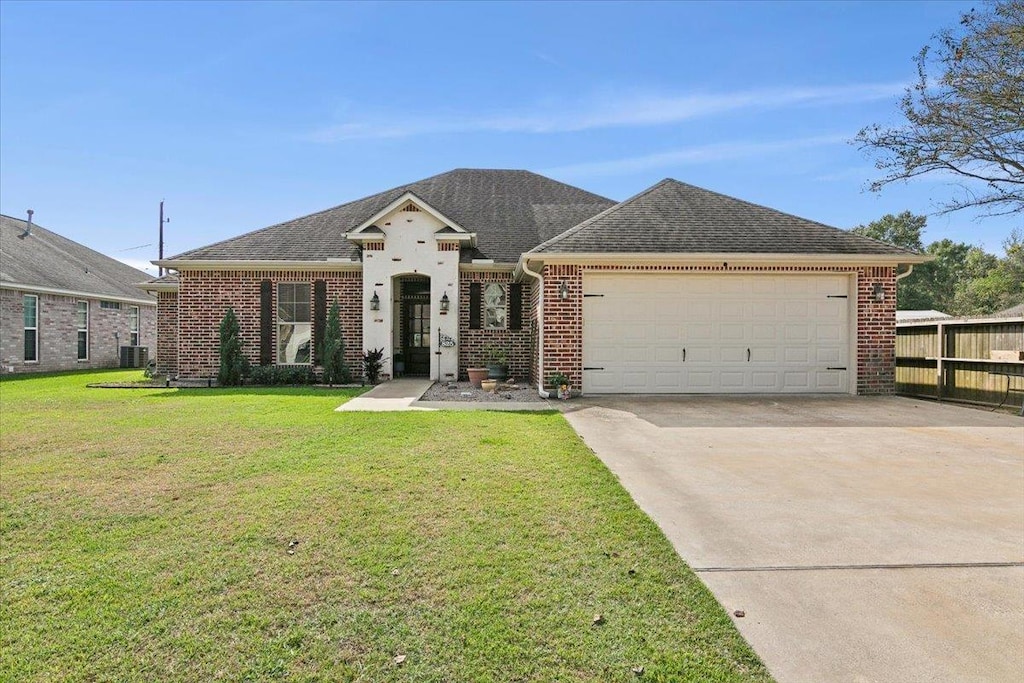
{"x": 638, "y": 332}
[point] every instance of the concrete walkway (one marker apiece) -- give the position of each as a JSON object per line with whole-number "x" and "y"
{"x": 398, "y": 394}
{"x": 865, "y": 539}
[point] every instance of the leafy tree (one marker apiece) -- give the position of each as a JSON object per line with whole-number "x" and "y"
{"x": 333, "y": 350}
{"x": 903, "y": 230}
{"x": 968, "y": 121}
{"x": 233, "y": 364}
{"x": 999, "y": 286}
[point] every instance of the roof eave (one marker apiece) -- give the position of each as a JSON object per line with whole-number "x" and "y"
{"x": 339, "y": 264}
{"x": 36, "y": 289}
{"x": 734, "y": 258}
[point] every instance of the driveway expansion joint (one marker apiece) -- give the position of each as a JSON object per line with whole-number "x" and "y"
{"x": 834, "y": 567}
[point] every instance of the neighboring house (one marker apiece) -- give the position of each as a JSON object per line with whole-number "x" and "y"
{"x": 909, "y": 315}
{"x": 676, "y": 290}
{"x": 64, "y": 306}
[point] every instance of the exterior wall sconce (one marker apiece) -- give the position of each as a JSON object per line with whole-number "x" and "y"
{"x": 445, "y": 303}
{"x": 563, "y": 290}
{"x": 878, "y": 292}
{"x": 374, "y": 302}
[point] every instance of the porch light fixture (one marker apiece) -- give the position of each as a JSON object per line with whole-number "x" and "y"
{"x": 878, "y": 292}
{"x": 563, "y": 290}
{"x": 445, "y": 303}
{"x": 374, "y": 302}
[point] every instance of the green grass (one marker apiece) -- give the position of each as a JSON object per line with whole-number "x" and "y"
{"x": 144, "y": 537}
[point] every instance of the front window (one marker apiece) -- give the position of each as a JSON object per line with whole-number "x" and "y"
{"x": 82, "y": 322}
{"x": 111, "y": 305}
{"x": 30, "y": 307}
{"x": 133, "y": 325}
{"x": 293, "y": 327}
{"x": 495, "y": 306}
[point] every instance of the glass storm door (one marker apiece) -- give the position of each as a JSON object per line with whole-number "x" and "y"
{"x": 416, "y": 341}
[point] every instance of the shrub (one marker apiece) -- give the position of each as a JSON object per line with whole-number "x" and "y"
{"x": 233, "y": 364}
{"x": 333, "y": 350}
{"x": 373, "y": 361}
{"x": 282, "y": 374}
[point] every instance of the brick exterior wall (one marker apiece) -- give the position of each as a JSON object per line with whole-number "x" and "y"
{"x": 876, "y": 332}
{"x": 204, "y": 296}
{"x": 167, "y": 333}
{"x": 58, "y": 332}
{"x": 876, "y": 320}
{"x": 472, "y": 342}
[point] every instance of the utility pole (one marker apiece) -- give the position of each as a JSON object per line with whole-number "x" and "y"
{"x": 161, "y": 248}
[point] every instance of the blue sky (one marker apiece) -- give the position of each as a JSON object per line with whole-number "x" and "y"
{"x": 242, "y": 115}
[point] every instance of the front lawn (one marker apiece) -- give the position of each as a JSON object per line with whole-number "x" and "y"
{"x": 145, "y": 536}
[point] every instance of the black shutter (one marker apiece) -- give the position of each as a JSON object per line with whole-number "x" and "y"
{"x": 515, "y": 306}
{"x": 319, "y": 319}
{"x": 266, "y": 322}
{"x": 475, "y": 305}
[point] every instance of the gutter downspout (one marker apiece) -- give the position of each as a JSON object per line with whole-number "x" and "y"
{"x": 540, "y": 327}
{"x": 910, "y": 269}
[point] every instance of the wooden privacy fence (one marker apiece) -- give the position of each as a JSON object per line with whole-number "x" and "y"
{"x": 976, "y": 360}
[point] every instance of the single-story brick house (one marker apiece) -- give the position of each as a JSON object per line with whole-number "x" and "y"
{"x": 676, "y": 290}
{"x": 64, "y": 306}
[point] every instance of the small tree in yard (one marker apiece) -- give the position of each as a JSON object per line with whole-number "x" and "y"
{"x": 333, "y": 350}
{"x": 233, "y": 364}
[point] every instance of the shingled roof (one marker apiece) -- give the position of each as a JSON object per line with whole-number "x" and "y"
{"x": 673, "y": 217}
{"x": 46, "y": 260}
{"x": 510, "y": 211}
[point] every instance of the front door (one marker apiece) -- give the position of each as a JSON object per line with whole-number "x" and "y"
{"x": 416, "y": 335}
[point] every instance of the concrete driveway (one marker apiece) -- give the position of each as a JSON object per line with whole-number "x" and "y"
{"x": 866, "y": 539}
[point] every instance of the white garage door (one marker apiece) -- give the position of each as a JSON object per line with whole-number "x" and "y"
{"x": 648, "y": 333}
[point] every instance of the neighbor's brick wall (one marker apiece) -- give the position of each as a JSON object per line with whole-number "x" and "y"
{"x": 472, "y": 342}
{"x": 58, "y": 333}
{"x": 876, "y": 321}
{"x": 167, "y": 333}
{"x": 204, "y": 296}
{"x": 876, "y": 332}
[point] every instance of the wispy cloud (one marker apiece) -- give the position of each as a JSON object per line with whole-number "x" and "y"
{"x": 610, "y": 109}
{"x": 700, "y": 154}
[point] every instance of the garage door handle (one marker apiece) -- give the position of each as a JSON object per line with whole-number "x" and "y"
{"x": 684, "y": 355}
{"x": 748, "y": 355}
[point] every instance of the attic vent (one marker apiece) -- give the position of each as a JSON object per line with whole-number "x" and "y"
{"x": 412, "y": 208}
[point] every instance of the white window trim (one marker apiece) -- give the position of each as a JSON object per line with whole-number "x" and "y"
{"x": 25, "y": 328}
{"x": 79, "y": 330}
{"x": 504, "y": 289}
{"x": 278, "y": 323}
{"x": 134, "y": 335}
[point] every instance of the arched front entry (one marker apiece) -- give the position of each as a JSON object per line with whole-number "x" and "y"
{"x": 412, "y": 338}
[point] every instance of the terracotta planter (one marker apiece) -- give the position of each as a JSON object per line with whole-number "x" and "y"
{"x": 476, "y": 375}
{"x": 489, "y": 385}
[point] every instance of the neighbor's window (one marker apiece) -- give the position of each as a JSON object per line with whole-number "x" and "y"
{"x": 495, "y": 306}
{"x": 112, "y": 305}
{"x": 82, "y": 322}
{"x": 133, "y": 325}
{"x": 293, "y": 327}
{"x": 30, "y": 306}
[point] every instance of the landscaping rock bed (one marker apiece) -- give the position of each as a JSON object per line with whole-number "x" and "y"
{"x": 463, "y": 391}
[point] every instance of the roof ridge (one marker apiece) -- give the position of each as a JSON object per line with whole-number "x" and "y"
{"x": 607, "y": 212}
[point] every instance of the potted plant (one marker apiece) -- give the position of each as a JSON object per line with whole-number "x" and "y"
{"x": 398, "y": 364}
{"x": 476, "y": 375}
{"x": 497, "y": 362}
{"x": 561, "y": 384}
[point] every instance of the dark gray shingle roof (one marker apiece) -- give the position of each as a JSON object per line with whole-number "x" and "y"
{"x": 511, "y": 212}
{"x": 673, "y": 217}
{"x": 45, "y": 259}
